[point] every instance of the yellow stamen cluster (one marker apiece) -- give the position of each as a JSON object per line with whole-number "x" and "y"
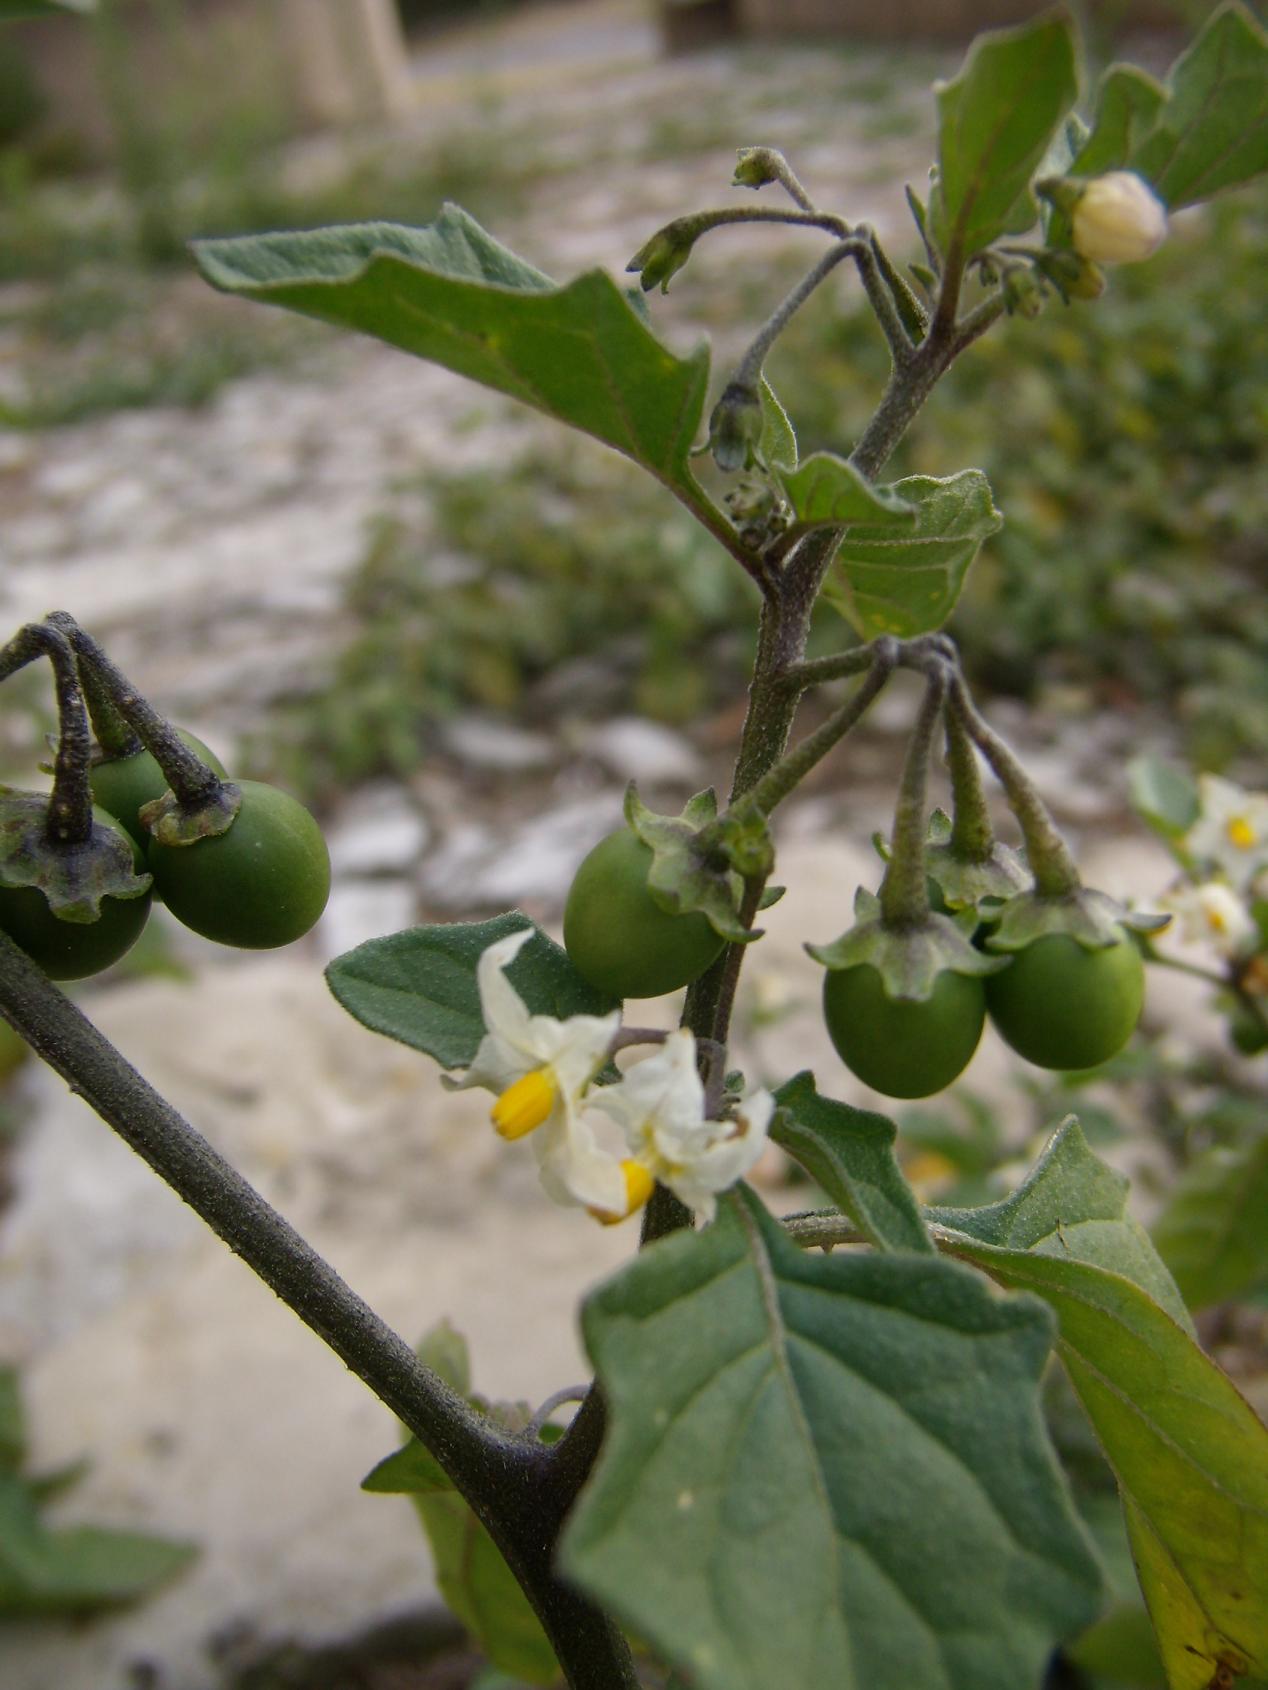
{"x": 525, "y": 1104}
{"x": 639, "y": 1185}
{"x": 1241, "y": 834}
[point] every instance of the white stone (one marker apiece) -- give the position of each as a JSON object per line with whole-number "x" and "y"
{"x": 487, "y": 743}
{"x": 379, "y": 830}
{"x": 633, "y": 748}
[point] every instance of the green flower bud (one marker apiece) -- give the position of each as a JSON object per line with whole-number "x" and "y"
{"x": 1074, "y": 276}
{"x": 755, "y": 167}
{"x": 664, "y": 254}
{"x": 1023, "y": 295}
{"x": 735, "y": 427}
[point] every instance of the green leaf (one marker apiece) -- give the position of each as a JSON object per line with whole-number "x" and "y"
{"x": 1163, "y": 795}
{"x": 1072, "y": 1206}
{"x": 841, "y": 1464}
{"x": 1212, "y": 1233}
{"x": 850, "y": 1152}
{"x": 1212, "y": 133}
{"x": 410, "y": 1470}
{"x": 450, "y": 293}
{"x": 445, "y": 1350}
{"x": 75, "y": 1570}
{"x": 481, "y": 1589}
{"x": 1189, "y": 1453}
{"x": 420, "y": 986}
{"x": 886, "y": 580}
{"x": 1127, "y": 105}
{"x": 777, "y": 448}
{"x": 995, "y": 121}
{"x": 828, "y": 492}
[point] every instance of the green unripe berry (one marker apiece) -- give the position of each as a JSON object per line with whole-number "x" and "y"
{"x": 903, "y": 1047}
{"x": 262, "y": 883}
{"x": 1061, "y": 1005}
{"x": 72, "y": 950}
{"x": 618, "y": 936}
{"x": 123, "y": 784}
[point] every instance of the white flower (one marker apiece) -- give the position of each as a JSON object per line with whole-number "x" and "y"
{"x": 1231, "y": 832}
{"x": 1118, "y": 219}
{"x": 659, "y": 1106}
{"x": 1213, "y": 914}
{"x": 540, "y": 1068}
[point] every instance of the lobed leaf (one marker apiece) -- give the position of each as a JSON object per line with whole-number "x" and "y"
{"x": 1073, "y": 1206}
{"x": 450, "y": 293}
{"x": 995, "y": 121}
{"x": 906, "y": 580}
{"x": 849, "y": 1454}
{"x": 1189, "y": 1454}
{"x": 850, "y": 1152}
{"x": 1212, "y": 132}
{"x": 419, "y": 986}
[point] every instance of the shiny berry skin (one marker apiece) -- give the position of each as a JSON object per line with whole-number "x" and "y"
{"x": 903, "y": 1047}
{"x": 1063, "y": 1006}
{"x": 618, "y": 936}
{"x": 262, "y": 883}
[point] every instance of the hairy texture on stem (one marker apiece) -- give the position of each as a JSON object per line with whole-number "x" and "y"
{"x": 1056, "y": 875}
{"x": 189, "y": 777}
{"x": 903, "y": 895}
{"x": 509, "y": 1482}
{"x": 70, "y": 802}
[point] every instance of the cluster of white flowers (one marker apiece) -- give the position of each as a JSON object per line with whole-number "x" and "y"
{"x": 1228, "y": 847}
{"x": 541, "y": 1070}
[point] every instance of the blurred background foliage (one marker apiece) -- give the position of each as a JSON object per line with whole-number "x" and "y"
{"x": 1122, "y": 439}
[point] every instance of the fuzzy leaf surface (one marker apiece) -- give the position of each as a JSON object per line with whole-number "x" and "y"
{"x": 995, "y": 120}
{"x": 888, "y": 579}
{"x": 1072, "y": 1206}
{"x": 827, "y": 491}
{"x": 865, "y": 1424}
{"x": 1212, "y": 133}
{"x": 420, "y": 986}
{"x": 850, "y": 1152}
{"x": 452, "y": 294}
{"x": 1189, "y": 1454}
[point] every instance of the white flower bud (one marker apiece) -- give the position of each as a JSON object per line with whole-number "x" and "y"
{"x": 1118, "y": 219}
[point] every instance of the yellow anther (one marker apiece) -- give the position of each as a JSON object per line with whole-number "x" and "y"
{"x": 1241, "y": 834}
{"x": 525, "y": 1103}
{"x": 639, "y": 1185}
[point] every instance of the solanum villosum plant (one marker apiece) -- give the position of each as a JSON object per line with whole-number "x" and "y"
{"x": 794, "y": 1468}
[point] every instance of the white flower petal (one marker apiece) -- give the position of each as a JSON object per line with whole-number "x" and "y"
{"x": 574, "y": 1169}
{"x": 505, "y": 1012}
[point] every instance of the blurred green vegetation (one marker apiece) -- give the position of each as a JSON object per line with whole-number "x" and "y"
{"x": 1123, "y": 444}
{"x": 1123, "y": 441}
{"x": 505, "y": 575}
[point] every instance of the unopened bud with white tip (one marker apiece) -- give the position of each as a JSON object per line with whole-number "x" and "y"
{"x": 1118, "y": 219}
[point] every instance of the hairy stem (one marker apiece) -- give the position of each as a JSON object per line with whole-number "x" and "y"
{"x": 506, "y": 1480}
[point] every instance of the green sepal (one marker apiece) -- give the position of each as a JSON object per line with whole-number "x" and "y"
{"x": 1094, "y": 919}
{"x": 74, "y": 878}
{"x": 689, "y": 870}
{"x": 965, "y": 882}
{"x": 920, "y": 217}
{"x": 770, "y": 895}
{"x": 171, "y": 823}
{"x": 908, "y": 959}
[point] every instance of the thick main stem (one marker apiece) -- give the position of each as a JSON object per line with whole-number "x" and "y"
{"x": 508, "y": 1482}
